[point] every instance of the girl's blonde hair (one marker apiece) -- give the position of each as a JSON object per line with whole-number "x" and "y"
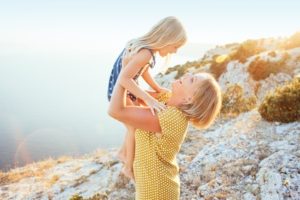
{"x": 206, "y": 104}
{"x": 168, "y": 31}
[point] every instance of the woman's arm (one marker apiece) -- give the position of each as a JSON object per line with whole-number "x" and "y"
{"x": 138, "y": 117}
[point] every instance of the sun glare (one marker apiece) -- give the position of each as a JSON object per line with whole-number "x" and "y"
{"x": 221, "y": 58}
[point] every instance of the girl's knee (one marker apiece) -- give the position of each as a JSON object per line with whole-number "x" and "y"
{"x": 131, "y": 129}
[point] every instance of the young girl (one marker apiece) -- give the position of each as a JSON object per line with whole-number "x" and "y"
{"x": 138, "y": 55}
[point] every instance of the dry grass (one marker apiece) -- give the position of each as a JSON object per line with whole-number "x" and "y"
{"x": 63, "y": 159}
{"x": 53, "y": 180}
{"x": 35, "y": 169}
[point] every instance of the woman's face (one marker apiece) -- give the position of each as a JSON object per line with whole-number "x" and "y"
{"x": 168, "y": 50}
{"x": 186, "y": 86}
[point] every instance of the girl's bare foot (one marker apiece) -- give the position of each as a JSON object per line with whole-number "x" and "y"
{"x": 128, "y": 172}
{"x": 122, "y": 156}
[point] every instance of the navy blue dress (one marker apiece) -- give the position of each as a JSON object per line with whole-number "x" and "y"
{"x": 116, "y": 71}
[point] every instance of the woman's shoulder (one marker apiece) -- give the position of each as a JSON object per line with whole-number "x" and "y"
{"x": 172, "y": 120}
{"x": 173, "y": 112}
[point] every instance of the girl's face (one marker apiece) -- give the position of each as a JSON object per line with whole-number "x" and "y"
{"x": 168, "y": 50}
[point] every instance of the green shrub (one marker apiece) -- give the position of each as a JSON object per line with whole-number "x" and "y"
{"x": 218, "y": 68}
{"x": 172, "y": 69}
{"x": 247, "y": 49}
{"x": 181, "y": 71}
{"x": 233, "y": 102}
{"x": 292, "y": 42}
{"x": 272, "y": 54}
{"x": 284, "y": 104}
{"x": 76, "y": 197}
{"x": 242, "y": 52}
{"x": 94, "y": 197}
{"x": 261, "y": 69}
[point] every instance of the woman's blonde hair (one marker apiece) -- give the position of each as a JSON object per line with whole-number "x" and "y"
{"x": 168, "y": 31}
{"x": 206, "y": 104}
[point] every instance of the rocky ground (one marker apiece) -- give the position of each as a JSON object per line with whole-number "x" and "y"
{"x": 242, "y": 157}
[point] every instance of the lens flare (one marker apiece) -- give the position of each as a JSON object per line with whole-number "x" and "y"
{"x": 221, "y": 58}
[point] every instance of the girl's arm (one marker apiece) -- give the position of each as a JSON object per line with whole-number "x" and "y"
{"x": 150, "y": 81}
{"x": 154, "y": 94}
{"x": 126, "y": 79}
{"x": 138, "y": 117}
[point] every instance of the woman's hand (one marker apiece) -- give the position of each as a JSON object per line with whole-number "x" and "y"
{"x": 154, "y": 94}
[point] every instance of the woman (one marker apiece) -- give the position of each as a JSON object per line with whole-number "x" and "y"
{"x": 195, "y": 99}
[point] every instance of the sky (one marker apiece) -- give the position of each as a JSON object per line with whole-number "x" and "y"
{"x": 96, "y": 25}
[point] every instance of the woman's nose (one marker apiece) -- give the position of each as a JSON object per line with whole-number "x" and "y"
{"x": 185, "y": 76}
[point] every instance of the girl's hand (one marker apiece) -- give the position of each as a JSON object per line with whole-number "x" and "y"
{"x": 151, "y": 93}
{"x": 154, "y": 105}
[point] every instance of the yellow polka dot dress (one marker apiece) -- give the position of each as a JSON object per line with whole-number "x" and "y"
{"x": 155, "y": 168}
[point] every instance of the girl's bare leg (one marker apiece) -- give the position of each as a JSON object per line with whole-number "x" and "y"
{"x": 122, "y": 150}
{"x": 130, "y": 151}
{"x": 126, "y": 152}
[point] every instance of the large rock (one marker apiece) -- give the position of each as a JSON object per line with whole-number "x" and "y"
{"x": 269, "y": 84}
{"x": 236, "y": 73}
